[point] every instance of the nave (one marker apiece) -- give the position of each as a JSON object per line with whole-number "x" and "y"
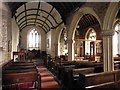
{"x": 60, "y": 45}
{"x": 47, "y": 74}
{"x": 28, "y": 75}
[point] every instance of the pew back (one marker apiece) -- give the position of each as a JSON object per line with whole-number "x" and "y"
{"x": 73, "y": 76}
{"x": 23, "y": 77}
{"x": 97, "y": 80}
{"x": 117, "y": 78}
{"x": 82, "y": 70}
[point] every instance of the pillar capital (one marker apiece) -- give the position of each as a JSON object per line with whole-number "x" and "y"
{"x": 107, "y": 32}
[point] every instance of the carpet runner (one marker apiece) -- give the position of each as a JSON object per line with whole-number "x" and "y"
{"x": 47, "y": 80}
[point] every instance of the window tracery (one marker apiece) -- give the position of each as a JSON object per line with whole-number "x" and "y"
{"x": 33, "y": 39}
{"x": 91, "y": 36}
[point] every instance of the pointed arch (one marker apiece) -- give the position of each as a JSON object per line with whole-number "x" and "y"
{"x": 74, "y": 19}
{"x": 90, "y": 35}
{"x": 72, "y": 24}
{"x": 57, "y": 40}
{"x": 110, "y": 15}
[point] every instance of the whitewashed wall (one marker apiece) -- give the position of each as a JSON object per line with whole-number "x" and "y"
{"x": 53, "y": 34}
{"x": 54, "y": 41}
{"x": 15, "y": 35}
{"x": 48, "y": 43}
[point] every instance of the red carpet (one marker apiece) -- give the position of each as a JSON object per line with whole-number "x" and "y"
{"x": 47, "y": 80}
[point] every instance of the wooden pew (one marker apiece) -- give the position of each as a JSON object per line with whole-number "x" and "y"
{"x": 18, "y": 73}
{"x": 21, "y": 64}
{"x": 97, "y": 81}
{"x": 73, "y": 76}
{"x": 19, "y": 67}
{"x": 79, "y": 64}
{"x": 64, "y": 75}
{"x": 60, "y": 68}
{"x": 19, "y": 78}
{"x": 117, "y": 79}
{"x": 7, "y": 64}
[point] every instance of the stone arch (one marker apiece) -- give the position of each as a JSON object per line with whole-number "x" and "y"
{"x": 57, "y": 36}
{"x": 110, "y": 15}
{"x": 107, "y": 34}
{"x": 71, "y": 25}
{"x": 74, "y": 19}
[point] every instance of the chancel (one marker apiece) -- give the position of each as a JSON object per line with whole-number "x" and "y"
{"x": 60, "y": 45}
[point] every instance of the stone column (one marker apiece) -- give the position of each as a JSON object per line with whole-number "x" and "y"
{"x": 1, "y": 46}
{"x": 56, "y": 52}
{"x": 70, "y": 50}
{"x": 56, "y": 49}
{"x": 118, "y": 42}
{"x": 108, "y": 50}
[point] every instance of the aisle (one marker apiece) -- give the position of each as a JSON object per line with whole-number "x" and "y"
{"x": 47, "y": 80}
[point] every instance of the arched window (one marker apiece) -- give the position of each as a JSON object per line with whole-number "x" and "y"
{"x": 116, "y": 39}
{"x": 33, "y": 39}
{"x": 91, "y": 36}
{"x": 63, "y": 42}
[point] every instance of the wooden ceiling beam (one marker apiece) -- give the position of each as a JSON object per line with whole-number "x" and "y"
{"x": 25, "y": 13}
{"x": 40, "y": 10}
{"x": 37, "y": 11}
{"x": 33, "y": 19}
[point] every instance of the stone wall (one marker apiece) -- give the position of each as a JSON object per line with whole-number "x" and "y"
{"x": 5, "y": 34}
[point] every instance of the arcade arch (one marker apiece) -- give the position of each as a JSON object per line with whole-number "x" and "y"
{"x": 72, "y": 24}
{"x": 107, "y": 34}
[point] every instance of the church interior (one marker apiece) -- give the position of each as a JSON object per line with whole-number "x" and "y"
{"x": 60, "y": 45}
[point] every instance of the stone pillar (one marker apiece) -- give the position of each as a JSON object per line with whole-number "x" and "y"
{"x": 118, "y": 41}
{"x": 108, "y": 50}
{"x": 1, "y": 48}
{"x": 70, "y": 50}
{"x": 56, "y": 50}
